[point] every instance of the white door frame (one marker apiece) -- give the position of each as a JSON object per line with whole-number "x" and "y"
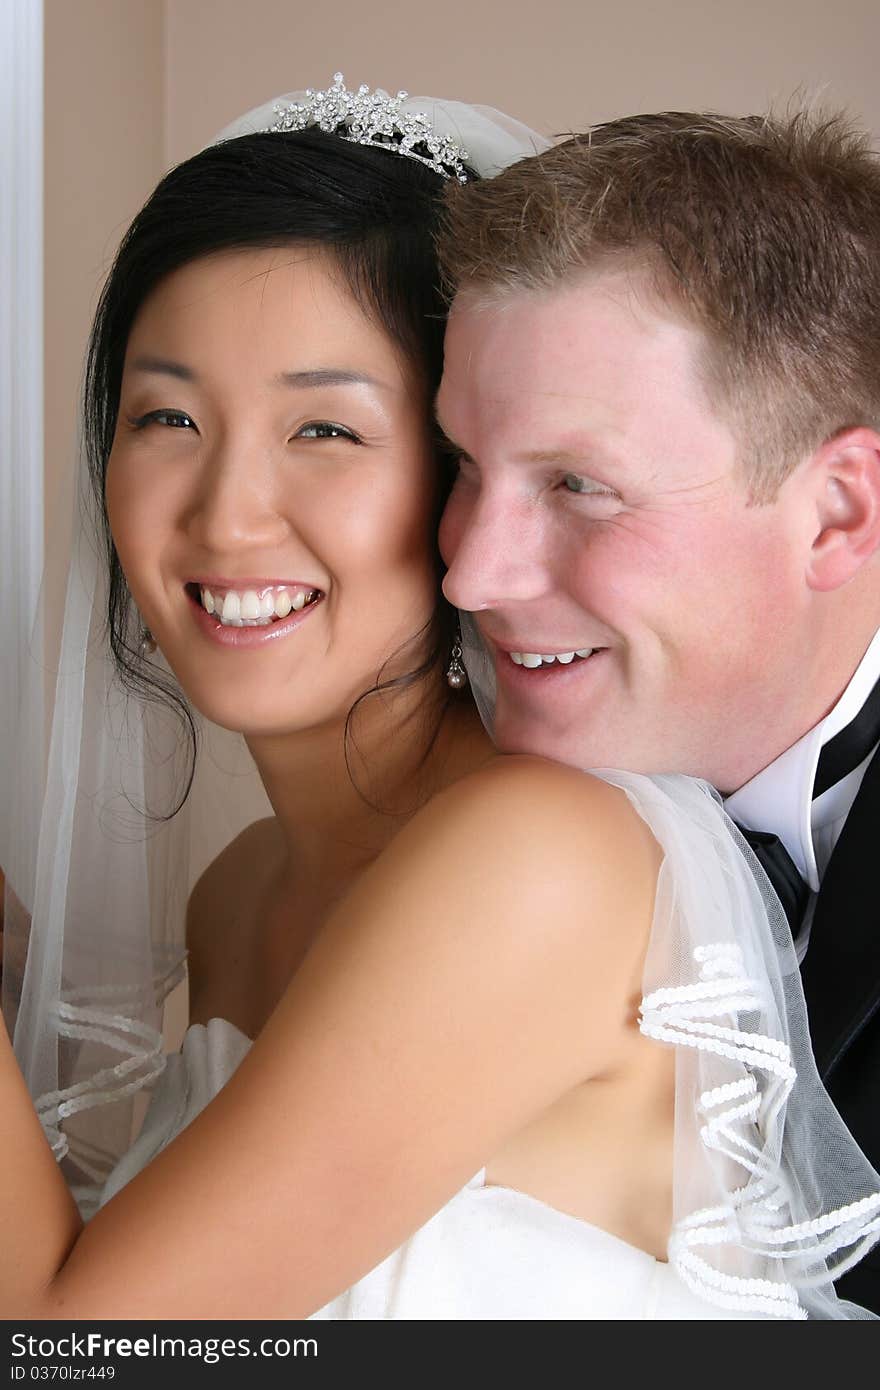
{"x": 21, "y": 407}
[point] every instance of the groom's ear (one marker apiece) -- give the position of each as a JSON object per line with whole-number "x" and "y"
{"x": 844, "y": 478}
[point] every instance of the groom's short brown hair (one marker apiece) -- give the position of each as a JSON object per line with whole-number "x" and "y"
{"x": 763, "y": 231}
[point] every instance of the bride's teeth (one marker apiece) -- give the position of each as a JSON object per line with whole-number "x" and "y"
{"x": 564, "y": 658}
{"x": 252, "y": 608}
{"x": 250, "y": 605}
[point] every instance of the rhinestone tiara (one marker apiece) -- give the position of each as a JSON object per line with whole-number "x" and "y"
{"x": 374, "y": 118}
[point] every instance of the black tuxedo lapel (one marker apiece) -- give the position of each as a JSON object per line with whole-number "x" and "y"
{"x": 841, "y": 972}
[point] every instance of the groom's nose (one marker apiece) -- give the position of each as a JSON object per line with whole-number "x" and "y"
{"x": 492, "y": 548}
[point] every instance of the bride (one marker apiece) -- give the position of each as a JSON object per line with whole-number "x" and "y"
{"x": 428, "y": 1071}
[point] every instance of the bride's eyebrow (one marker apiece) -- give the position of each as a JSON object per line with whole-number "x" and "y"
{"x": 313, "y": 377}
{"x": 163, "y": 366}
{"x": 330, "y": 376}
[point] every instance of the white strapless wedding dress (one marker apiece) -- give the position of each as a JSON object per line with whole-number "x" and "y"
{"x": 489, "y": 1254}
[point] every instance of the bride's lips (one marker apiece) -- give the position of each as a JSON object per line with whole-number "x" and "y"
{"x": 245, "y": 638}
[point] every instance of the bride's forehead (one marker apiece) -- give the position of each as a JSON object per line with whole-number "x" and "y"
{"x": 285, "y": 277}
{"x": 290, "y": 300}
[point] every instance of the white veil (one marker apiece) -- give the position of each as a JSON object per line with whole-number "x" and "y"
{"x": 94, "y": 939}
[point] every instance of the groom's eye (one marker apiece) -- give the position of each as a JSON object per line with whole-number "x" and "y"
{"x": 574, "y": 482}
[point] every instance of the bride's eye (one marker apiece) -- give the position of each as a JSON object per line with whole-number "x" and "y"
{"x": 326, "y": 429}
{"x": 173, "y": 419}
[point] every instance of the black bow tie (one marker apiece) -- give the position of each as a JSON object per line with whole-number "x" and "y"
{"x": 782, "y": 872}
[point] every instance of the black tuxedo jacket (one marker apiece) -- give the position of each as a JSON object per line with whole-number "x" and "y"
{"x": 841, "y": 976}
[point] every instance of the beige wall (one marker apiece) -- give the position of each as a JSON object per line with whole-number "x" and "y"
{"x": 104, "y": 133}
{"x": 558, "y": 65}
{"x": 135, "y": 85}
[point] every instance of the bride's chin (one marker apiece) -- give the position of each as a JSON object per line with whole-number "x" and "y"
{"x": 257, "y": 726}
{"x": 263, "y": 719}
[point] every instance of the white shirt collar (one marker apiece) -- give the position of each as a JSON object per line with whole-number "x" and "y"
{"x": 780, "y": 798}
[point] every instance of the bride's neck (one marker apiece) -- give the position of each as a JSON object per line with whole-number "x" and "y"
{"x": 341, "y": 795}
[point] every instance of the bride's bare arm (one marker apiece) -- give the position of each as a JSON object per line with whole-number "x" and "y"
{"x": 482, "y": 967}
{"x": 39, "y": 1239}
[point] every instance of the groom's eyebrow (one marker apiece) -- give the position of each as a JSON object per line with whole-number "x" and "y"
{"x": 560, "y": 458}
{"x": 577, "y": 457}
{"x": 569, "y": 459}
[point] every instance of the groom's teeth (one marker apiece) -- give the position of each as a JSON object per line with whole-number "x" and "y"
{"x": 532, "y": 660}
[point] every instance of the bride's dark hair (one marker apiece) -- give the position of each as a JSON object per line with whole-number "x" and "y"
{"x": 376, "y": 212}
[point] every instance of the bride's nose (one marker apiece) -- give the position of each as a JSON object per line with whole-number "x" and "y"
{"x": 235, "y": 501}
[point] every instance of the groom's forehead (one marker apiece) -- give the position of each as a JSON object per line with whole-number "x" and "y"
{"x": 564, "y": 319}
{"x": 601, "y": 347}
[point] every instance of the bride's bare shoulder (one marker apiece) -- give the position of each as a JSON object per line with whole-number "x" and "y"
{"x": 525, "y": 821}
{"x": 547, "y": 796}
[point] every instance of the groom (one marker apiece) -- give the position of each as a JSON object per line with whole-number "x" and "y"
{"x": 662, "y": 387}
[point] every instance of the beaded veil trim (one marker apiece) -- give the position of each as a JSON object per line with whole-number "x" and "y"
{"x": 735, "y": 1121}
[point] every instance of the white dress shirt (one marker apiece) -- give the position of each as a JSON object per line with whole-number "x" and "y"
{"x": 780, "y": 800}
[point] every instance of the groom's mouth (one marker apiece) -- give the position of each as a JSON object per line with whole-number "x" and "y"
{"x": 523, "y": 671}
{"x": 534, "y": 661}
{"x": 543, "y": 689}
